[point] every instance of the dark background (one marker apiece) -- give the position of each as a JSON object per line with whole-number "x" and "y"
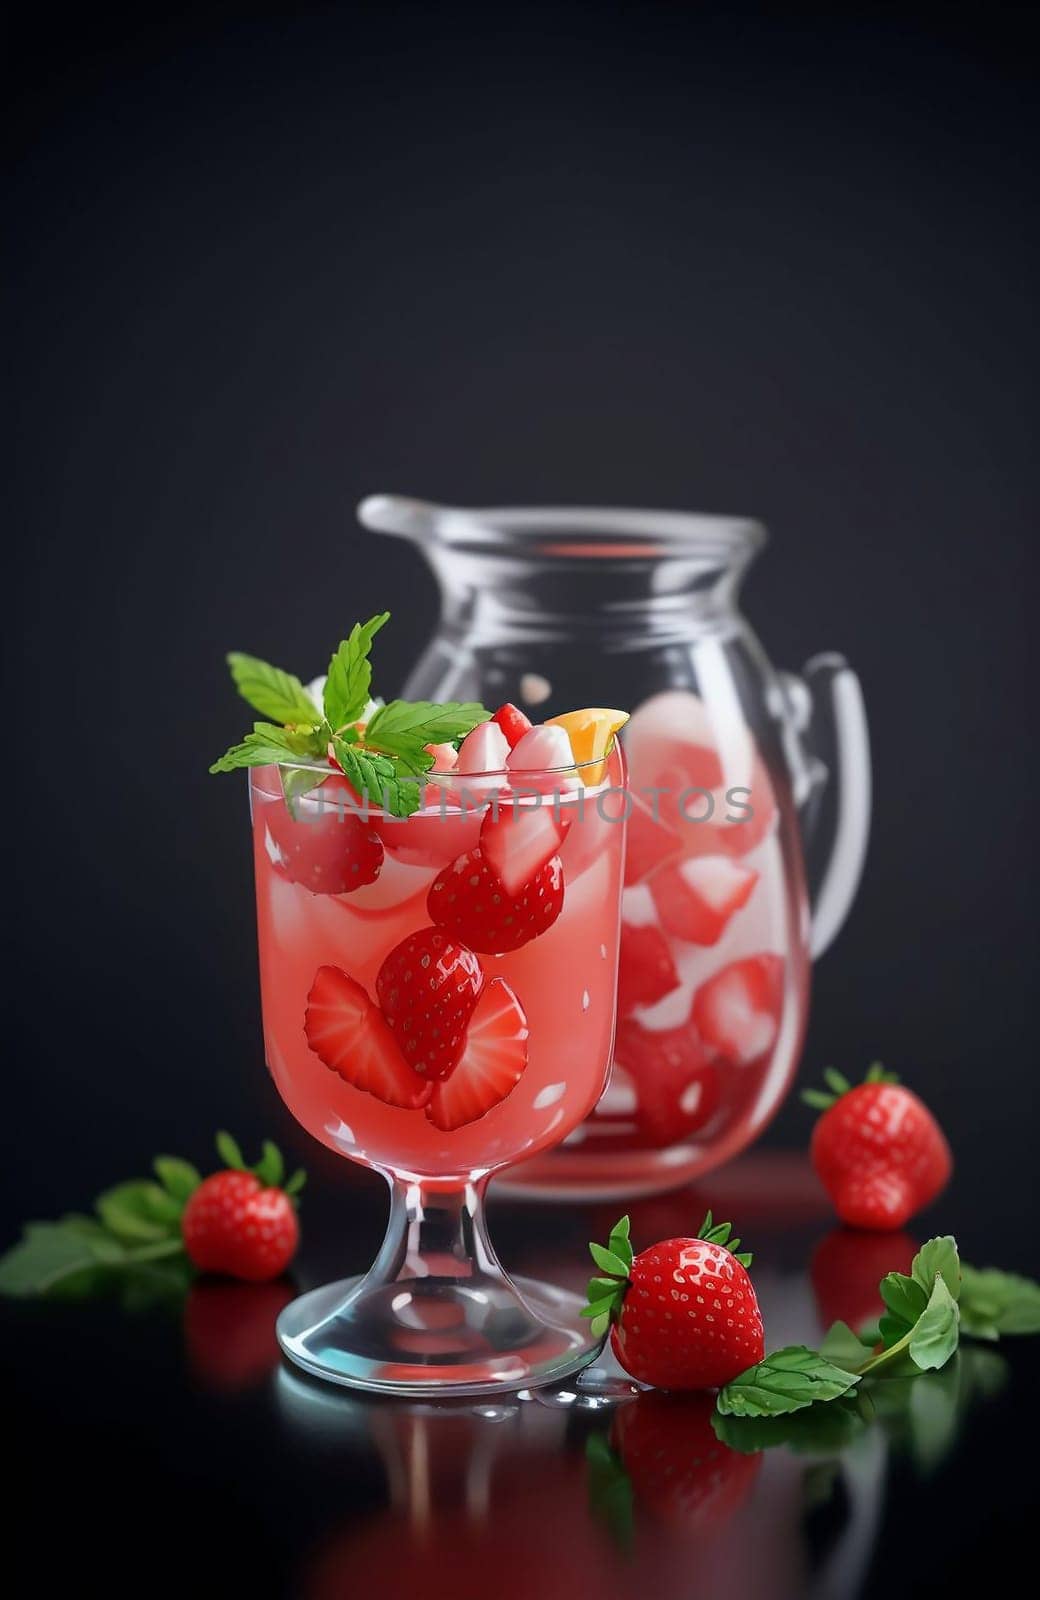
{"x": 267, "y": 260}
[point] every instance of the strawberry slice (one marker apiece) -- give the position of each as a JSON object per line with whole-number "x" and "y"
{"x": 696, "y": 899}
{"x": 471, "y": 902}
{"x": 650, "y": 842}
{"x": 737, "y": 1012}
{"x": 518, "y": 842}
{"x": 329, "y": 850}
{"x": 512, "y": 722}
{"x": 427, "y": 987}
{"x": 677, "y": 1084}
{"x": 492, "y": 1062}
{"x": 348, "y": 1033}
{"x": 646, "y": 971}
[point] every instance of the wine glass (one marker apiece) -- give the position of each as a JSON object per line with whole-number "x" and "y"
{"x": 438, "y": 999}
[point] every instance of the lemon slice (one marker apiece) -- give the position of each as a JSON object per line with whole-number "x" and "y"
{"x": 590, "y": 732}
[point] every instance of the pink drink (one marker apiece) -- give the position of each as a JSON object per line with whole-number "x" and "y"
{"x": 713, "y": 971}
{"x": 563, "y": 978}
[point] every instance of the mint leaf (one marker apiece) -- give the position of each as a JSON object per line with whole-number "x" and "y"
{"x": 298, "y": 781}
{"x": 403, "y": 727}
{"x": 179, "y": 1178}
{"x": 379, "y": 778}
{"x": 277, "y": 695}
{"x": 935, "y": 1335}
{"x": 785, "y": 1381}
{"x": 814, "y": 1429}
{"x": 268, "y": 744}
{"x": 350, "y": 673}
{"x": 135, "y": 1212}
{"x": 994, "y": 1303}
{"x": 47, "y": 1253}
{"x": 844, "y": 1348}
{"x": 905, "y": 1300}
{"x": 939, "y": 1255}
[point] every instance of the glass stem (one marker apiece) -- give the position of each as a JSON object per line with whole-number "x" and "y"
{"x": 435, "y": 1233}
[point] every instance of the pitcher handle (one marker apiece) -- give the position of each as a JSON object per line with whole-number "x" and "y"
{"x": 826, "y": 704}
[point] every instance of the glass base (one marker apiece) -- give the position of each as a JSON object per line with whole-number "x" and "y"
{"x": 437, "y": 1335}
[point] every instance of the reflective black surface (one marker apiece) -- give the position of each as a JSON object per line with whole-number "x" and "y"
{"x": 178, "y": 1426}
{"x": 271, "y": 258}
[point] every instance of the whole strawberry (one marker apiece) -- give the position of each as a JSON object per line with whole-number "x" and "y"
{"x": 239, "y": 1222}
{"x": 877, "y": 1150}
{"x": 683, "y": 1314}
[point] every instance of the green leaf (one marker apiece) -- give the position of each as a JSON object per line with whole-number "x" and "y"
{"x": 598, "y": 1308}
{"x": 994, "y": 1303}
{"x": 607, "y": 1261}
{"x": 229, "y": 1151}
{"x": 179, "y": 1178}
{"x": 904, "y": 1297}
{"x": 403, "y": 727}
{"x": 298, "y": 781}
{"x": 105, "y": 1246}
{"x": 610, "y": 1491}
{"x": 296, "y": 1183}
{"x": 937, "y": 1256}
{"x": 934, "y": 1337}
{"x": 350, "y": 673}
{"x": 267, "y": 745}
{"x": 379, "y": 778}
{"x": 836, "y": 1080}
{"x": 601, "y": 1288}
{"x": 817, "y": 1099}
{"x": 47, "y": 1253}
{"x": 277, "y": 695}
{"x": 844, "y": 1348}
{"x": 270, "y": 1169}
{"x": 785, "y": 1381}
{"x": 816, "y": 1428}
{"x": 134, "y": 1212}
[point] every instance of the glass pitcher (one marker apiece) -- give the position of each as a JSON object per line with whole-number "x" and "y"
{"x": 748, "y": 805}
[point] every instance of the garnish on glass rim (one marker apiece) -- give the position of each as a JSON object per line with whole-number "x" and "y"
{"x": 380, "y": 749}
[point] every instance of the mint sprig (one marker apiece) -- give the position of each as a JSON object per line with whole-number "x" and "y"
{"x": 279, "y": 696}
{"x": 384, "y": 761}
{"x": 925, "y": 1314}
{"x": 403, "y": 727}
{"x": 787, "y": 1380}
{"x": 349, "y": 679}
{"x": 994, "y": 1303}
{"x": 136, "y": 1224}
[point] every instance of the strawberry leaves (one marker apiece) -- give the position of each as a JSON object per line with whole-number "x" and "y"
{"x": 719, "y": 1233}
{"x": 606, "y": 1294}
{"x": 136, "y": 1226}
{"x": 838, "y": 1084}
